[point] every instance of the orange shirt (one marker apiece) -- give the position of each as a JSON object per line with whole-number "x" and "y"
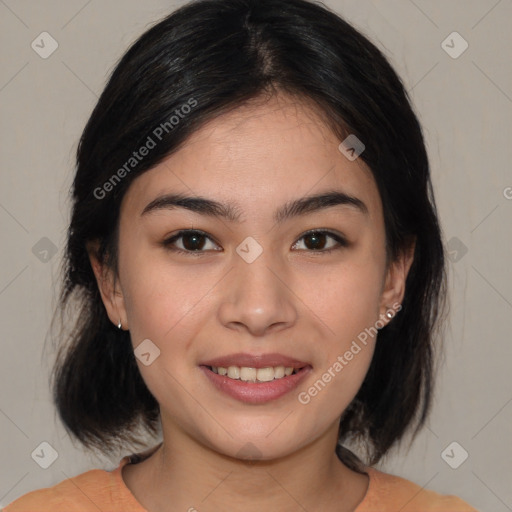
{"x": 106, "y": 491}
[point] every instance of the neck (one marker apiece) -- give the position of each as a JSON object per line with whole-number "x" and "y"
{"x": 185, "y": 475}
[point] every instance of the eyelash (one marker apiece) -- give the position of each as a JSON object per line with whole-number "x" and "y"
{"x": 342, "y": 243}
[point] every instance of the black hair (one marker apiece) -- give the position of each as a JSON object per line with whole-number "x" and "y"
{"x": 207, "y": 58}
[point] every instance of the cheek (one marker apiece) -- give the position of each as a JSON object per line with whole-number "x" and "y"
{"x": 165, "y": 302}
{"x": 348, "y": 309}
{"x": 346, "y": 299}
{"x": 157, "y": 303}
{"x": 347, "y": 303}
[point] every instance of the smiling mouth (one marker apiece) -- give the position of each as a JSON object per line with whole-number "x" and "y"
{"x": 256, "y": 386}
{"x": 255, "y": 375}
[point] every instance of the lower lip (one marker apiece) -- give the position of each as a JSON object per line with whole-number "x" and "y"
{"x": 256, "y": 392}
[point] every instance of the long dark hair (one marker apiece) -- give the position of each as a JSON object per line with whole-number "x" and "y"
{"x": 206, "y": 58}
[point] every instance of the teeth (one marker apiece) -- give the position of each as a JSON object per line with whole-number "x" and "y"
{"x": 265, "y": 374}
{"x": 248, "y": 374}
{"x": 278, "y": 372}
{"x": 234, "y": 372}
{"x": 254, "y": 374}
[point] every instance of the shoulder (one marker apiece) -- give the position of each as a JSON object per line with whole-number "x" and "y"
{"x": 84, "y": 492}
{"x": 388, "y": 493}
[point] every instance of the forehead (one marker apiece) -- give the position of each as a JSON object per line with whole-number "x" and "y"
{"x": 264, "y": 152}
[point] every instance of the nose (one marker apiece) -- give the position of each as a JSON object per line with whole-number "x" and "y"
{"x": 257, "y": 297}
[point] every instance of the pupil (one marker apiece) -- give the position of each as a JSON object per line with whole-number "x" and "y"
{"x": 193, "y": 246}
{"x": 317, "y": 237}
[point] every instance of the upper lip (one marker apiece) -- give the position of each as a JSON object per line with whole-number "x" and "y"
{"x": 255, "y": 361}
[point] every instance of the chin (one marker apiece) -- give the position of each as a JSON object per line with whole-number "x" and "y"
{"x": 268, "y": 446}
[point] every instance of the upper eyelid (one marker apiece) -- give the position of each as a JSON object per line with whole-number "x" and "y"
{"x": 183, "y": 232}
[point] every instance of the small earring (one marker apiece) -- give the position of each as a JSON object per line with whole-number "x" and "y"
{"x": 390, "y": 314}
{"x": 119, "y": 324}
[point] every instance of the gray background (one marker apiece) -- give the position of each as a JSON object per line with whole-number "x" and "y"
{"x": 465, "y": 105}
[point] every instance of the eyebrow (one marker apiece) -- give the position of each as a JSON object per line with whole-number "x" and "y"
{"x": 297, "y": 207}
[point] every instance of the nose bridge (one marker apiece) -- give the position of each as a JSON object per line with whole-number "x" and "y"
{"x": 259, "y": 276}
{"x": 257, "y": 295}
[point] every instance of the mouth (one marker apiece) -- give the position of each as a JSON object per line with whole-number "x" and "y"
{"x": 255, "y": 385}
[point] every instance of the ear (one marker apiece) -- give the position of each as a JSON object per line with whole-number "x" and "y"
{"x": 110, "y": 292}
{"x": 393, "y": 290}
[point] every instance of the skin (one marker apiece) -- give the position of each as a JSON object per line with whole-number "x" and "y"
{"x": 293, "y": 299}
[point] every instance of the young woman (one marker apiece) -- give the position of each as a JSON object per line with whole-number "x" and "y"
{"x": 256, "y": 258}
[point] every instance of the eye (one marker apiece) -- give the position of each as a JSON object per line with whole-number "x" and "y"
{"x": 315, "y": 240}
{"x": 192, "y": 241}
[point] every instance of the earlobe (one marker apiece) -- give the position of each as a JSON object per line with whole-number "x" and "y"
{"x": 106, "y": 282}
{"x": 396, "y": 276}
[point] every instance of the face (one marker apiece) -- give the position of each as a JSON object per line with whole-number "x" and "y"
{"x": 283, "y": 286}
